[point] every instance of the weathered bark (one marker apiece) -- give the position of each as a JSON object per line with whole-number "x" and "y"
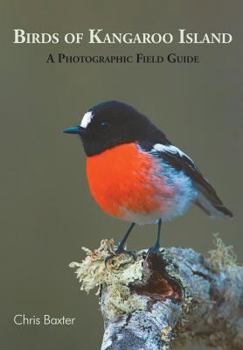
{"x": 160, "y": 301}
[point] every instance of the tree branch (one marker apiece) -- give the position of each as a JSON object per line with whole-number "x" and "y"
{"x": 168, "y": 299}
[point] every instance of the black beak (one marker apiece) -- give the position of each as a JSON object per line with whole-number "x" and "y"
{"x": 74, "y": 130}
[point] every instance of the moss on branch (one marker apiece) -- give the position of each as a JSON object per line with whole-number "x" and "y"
{"x": 176, "y": 296}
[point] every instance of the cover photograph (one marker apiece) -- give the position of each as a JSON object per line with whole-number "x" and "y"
{"x": 121, "y": 191}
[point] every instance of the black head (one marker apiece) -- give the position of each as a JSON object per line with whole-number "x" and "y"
{"x": 112, "y": 123}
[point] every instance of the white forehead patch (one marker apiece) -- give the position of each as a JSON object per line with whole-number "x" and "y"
{"x": 88, "y": 116}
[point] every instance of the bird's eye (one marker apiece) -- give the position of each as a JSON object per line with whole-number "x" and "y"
{"x": 104, "y": 124}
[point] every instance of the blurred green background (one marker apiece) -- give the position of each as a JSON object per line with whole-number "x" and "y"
{"x": 46, "y": 209}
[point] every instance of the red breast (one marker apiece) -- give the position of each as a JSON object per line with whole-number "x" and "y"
{"x": 123, "y": 178}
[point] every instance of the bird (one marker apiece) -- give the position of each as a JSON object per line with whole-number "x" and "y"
{"x": 136, "y": 174}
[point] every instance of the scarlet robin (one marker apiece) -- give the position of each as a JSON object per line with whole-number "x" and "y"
{"x": 136, "y": 174}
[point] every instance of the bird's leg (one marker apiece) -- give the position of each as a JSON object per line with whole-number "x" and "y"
{"x": 156, "y": 247}
{"x": 120, "y": 248}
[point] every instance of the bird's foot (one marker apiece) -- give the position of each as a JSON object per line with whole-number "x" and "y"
{"x": 119, "y": 251}
{"x": 154, "y": 250}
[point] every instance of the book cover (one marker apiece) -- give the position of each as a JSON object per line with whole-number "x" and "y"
{"x": 179, "y": 63}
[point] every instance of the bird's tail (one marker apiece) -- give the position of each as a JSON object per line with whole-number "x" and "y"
{"x": 210, "y": 203}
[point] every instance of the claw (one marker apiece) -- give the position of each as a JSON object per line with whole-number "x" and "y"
{"x": 117, "y": 252}
{"x": 108, "y": 258}
{"x": 153, "y": 250}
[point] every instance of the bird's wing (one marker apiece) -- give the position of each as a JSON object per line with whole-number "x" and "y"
{"x": 208, "y": 199}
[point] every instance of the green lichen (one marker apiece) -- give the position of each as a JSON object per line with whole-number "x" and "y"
{"x": 223, "y": 256}
{"x": 115, "y": 277}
